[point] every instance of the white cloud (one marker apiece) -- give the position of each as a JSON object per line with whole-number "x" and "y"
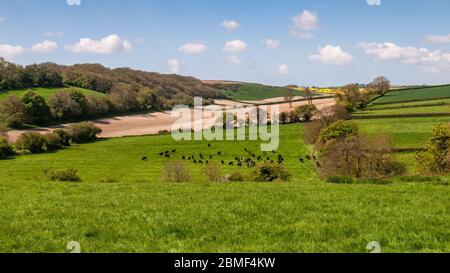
{"x": 431, "y": 61}
{"x": 283, "y": 69}
{"x": 10, "y": 51}
{"x": 271, "y": 43}
{"x": 303, "y": 23}
{"x": 193, "y": 48}
{"x": 108, "y": 45}
{"x": 235, "y": 46}
{"x": 230, "y": 25}
{"x": 44, "y": 47}
{"x": 234, "y": 59}
{"x": 438, "y": 39}
{"x": 2, "y": 19}
{"x": 174, "y": 66}
{"x": 374, "y": 2}
{"x": 53, "y": 34}
{"x": 74, "y": 2}
{"x": 332, "y": 55}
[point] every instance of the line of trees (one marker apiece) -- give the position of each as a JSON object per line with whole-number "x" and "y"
{"x": 353, "y": 98}
{"x": 32, "y": 108}
{"x": 14, "y": 76}
{"x": 33, "y": 142}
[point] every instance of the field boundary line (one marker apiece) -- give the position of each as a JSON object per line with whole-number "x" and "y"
{"x": 417, "y": 115}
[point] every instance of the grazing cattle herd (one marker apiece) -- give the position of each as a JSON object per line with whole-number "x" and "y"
{"x": 249, "y": 161}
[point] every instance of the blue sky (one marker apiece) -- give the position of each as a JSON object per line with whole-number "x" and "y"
{"x": 306, "y": 42}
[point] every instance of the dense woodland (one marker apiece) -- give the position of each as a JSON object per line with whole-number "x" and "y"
{"x": 127, "y": 91}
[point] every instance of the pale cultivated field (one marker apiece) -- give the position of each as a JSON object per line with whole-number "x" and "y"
{"x": 152, "y": 123}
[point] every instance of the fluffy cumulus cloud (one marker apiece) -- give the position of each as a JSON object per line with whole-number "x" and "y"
{"x": 438, "y": 39}
{"x": 332, "y": 55}
{"x": 230, "y": 25}
{"x": 193, "y": 48}
{"x": 174, "y": 66}
{"x": 10, "y": 52}
{"x": 108, "y": 45}
{"x": 433, "y": 61}
{"x": 234, "y": 59}
{"x": 235, "y": 46}
{"x": 44, "y": 47}
{"x": 304, "y": 23}
{"x": 271, "y": 43}
{"x": 283, "y": 69}
{"x": 74, "y": 2}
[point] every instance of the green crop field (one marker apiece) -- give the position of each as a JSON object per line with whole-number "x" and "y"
{"x": 415, "y": 95}
{"x": 122, "y": 204}
{"x": 47, "y": 92}
{"x": 251, "y": 92}
{"x": 409, "y": 104}
{"x": 406, "y": 110}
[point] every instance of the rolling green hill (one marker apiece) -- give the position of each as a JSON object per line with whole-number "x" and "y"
{"x": 122, "y": 204}
{"x": 47, "y": 92}
{"x": 421, "y": 94}
{"x": 253, "y": 92}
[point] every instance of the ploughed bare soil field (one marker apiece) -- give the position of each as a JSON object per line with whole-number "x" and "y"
{"x": 152, "y": 123}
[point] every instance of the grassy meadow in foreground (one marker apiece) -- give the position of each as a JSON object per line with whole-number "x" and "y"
{"x": 123, "y": 205}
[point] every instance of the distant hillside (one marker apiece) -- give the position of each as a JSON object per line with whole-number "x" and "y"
{"x": 251, "y": 91}
{"x": 170, "y": 89}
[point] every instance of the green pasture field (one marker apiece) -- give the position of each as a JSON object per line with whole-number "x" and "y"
{"x": 415, "y": 95}
{"x": 426, "y": 103}
{"x": 407, "y": 110}
{"x": 123, "y": 205}
{"x": 405, "y": 132}
{"x": 253, "y": 92}
{"x": 47, "y": 92}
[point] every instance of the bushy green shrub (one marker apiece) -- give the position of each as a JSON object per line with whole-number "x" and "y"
{"x": 270, "y": 172}
{"x": 305, "y": 112}
{"x": 83, "y": 132}
{"x": 339, "y": 130}
{"x": 63, "y": 175}
{"x": 236, "y": 177}
{"x": 5, "y": 148}
{"x": 32, "y": 142}
{"x": 64, "y": 137}
{"x": 53, "y": 142}
{"x": 13, "y": 112}
{"x": 36, "y": 107}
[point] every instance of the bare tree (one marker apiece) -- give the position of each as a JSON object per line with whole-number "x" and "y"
{"x": 289, "y": 96}
{"x": 381, "y": 85}
{"x": 309, "y": 95}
